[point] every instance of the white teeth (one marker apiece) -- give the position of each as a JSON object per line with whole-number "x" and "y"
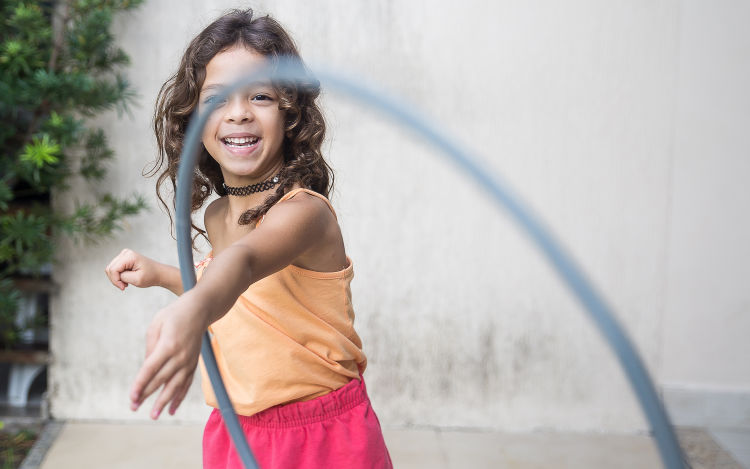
{"x": 240, "y": 140}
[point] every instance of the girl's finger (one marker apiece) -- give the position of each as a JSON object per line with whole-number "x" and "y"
{"x": 117, "y": 281}
{"x": 163, "y": 377}
{"x": 129, "y": 276}
{"x": 181, "y": 395}
{"x": 170, "y": 390}
{"x": 113, "y": 271}
{"x": 144, "y": 383}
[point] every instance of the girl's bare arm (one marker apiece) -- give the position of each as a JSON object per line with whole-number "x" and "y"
{"x": 132, "y": 268}
{"x": 174, "y": 336}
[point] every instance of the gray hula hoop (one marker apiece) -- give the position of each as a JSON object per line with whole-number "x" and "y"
{"x": 572, "y": 276}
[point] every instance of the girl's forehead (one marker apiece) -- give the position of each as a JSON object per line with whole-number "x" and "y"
{"x": 231, "y": 64}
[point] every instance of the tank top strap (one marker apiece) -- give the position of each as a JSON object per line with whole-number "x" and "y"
{"x": 294, "y": 192}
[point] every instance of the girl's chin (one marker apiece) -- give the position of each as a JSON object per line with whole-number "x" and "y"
{"x": 242, "y": 175}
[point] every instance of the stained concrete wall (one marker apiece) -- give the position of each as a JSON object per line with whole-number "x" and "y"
{"x": 580, "y": 105}
{"x": 706, "y": 370}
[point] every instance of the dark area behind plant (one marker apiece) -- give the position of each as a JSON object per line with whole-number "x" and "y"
{"x": 59, "y": 67}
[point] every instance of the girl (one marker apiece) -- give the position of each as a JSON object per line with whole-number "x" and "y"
{"x": 274, "y": 291}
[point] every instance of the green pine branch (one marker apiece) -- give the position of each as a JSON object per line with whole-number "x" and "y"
{"x": 51, "y": 79}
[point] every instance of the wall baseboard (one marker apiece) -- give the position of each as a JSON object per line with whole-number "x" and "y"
{"x": 702, "y": 407}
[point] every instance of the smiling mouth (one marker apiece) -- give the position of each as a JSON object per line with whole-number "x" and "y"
{"x": 240, "y": 142}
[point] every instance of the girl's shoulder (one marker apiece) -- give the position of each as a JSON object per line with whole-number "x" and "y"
{"x": 297, "y": 203}
{"x": 300, "y": 205}
{"x": 309, "y": 217}
{"x": 309, "y": 199}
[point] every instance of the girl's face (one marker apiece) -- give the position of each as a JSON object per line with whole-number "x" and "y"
{"x": 246, "y": 131}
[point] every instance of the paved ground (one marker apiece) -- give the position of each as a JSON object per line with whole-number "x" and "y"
{"x": 162, "y": 446}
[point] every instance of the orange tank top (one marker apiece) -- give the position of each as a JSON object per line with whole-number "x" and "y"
{"x": 289, "y": 337}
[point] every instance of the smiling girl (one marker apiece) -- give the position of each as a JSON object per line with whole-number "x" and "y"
{"x": 274, "y": 291}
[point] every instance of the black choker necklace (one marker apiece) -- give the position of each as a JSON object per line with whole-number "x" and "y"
{"x": 252, "y": 188}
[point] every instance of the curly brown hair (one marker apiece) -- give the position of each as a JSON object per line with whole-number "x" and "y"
{"x": 304, "y": 124}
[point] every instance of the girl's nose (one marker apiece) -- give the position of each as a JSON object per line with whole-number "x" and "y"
{"x": 238, "y": 110}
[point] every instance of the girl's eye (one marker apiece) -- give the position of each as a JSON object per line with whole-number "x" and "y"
{"x": 213, "y": 99}
{"x": 261, "y": 97}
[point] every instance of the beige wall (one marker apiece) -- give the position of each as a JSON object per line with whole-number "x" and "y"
{"x": 581, "y": 106}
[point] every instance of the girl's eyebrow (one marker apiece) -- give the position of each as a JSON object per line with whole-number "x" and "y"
{"x": 212, "y": 87}
{"x": 218, "y": 86}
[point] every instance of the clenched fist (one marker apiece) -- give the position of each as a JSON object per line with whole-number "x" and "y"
{"x": 131, "y": 268}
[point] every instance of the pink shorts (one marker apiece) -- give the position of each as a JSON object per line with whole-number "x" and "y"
{"x": 337, "y": 430}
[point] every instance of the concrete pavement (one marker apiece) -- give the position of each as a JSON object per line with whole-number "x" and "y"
{"x": 81, "y": 445}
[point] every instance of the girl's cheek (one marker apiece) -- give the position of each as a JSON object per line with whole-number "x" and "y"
{"x": 209, "y": 129}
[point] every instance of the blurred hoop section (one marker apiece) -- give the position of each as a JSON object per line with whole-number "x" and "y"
{"x": 290, "y": 71}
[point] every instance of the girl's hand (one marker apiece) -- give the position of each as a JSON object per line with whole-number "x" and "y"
{"x": 173, "y": 344}
{"x": 131, "y": 268}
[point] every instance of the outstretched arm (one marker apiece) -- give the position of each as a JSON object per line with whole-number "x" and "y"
{"x": 174, "y": 336}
